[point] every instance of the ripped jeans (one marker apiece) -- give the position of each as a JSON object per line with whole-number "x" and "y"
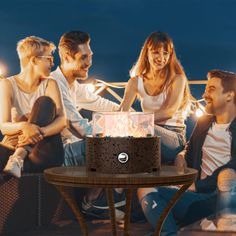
{"x": 191, "y": 207}
{"x": 172, "y": 141}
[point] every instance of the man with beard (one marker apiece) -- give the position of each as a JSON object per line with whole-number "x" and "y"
{"x": 76, "y": 59}
{"x": 212, "y": 151}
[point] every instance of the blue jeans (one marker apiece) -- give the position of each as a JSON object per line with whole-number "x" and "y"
{"x": 191, "y": 207}
{"x": 74, "y": 153}
{"x": 172, "y": 141}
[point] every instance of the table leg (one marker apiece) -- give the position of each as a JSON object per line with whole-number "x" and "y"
{"x": 69, "y": 198}
{"x": 110, "y": 199}
{"x": 129, "y": 194}
{"x": 169, "y": 206}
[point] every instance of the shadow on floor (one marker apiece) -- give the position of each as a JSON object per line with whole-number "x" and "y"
{"x": 96, "y": 228}
{"x": 103, "y": 228}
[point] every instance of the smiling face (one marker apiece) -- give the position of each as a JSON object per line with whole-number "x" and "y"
{"x": 158, "y": 58}
{"x": 215, "y": 97}
{"x": 80, "y": 63}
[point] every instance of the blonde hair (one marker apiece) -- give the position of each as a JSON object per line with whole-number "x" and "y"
{"x": 173, "y": 67}
{"x": 33, "y": 46}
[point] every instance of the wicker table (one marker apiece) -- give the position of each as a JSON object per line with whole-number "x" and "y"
{"x": 63, "y": 177}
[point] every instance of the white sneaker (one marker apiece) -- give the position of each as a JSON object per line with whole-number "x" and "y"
{"x": 207, "y": 225}
{"x": 14, "y": 166}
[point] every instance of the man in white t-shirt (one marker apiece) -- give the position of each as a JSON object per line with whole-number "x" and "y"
{"x": 76, "y": 59}
{"x": 211, "y": 150}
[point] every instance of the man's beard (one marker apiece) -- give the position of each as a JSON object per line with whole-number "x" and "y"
{"x": 210, "y": 109}
{"x": 78, "y": 76}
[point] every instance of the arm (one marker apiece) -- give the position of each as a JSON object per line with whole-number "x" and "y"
{"x": 130, "y": 94}
{"x": 181, "y": 165}
{"x": 76, "y": 123}
{"x": 174, "y": 98}
{"x": 180, "y": 161}
{"x": 7, "y": 127}
{"x": 59, "y": 123}
{"x": 209, "y": 184}
{"x": 93, "y": 102}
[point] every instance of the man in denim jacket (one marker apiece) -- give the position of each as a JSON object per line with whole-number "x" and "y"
{"x": 211, "y": 150}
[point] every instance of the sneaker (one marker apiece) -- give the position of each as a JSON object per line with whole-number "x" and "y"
{"x": 207, "y": 225}
{"x": 14, "y": 166}
{"x": 99, "y": 208}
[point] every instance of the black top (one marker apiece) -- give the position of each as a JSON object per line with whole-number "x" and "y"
{"x": 194, "y": 153}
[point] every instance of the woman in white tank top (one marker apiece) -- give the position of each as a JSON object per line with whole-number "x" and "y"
{"x": 31, "y": 112}
{"x": 158, "y": 79}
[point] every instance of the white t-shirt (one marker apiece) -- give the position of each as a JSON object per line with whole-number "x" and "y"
{"x": 75, "y": 97}
{"x": 216, "y": 150}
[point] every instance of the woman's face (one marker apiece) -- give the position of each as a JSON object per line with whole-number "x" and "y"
{"x": 45, "y": 63}
{"x": 158, "y": 58}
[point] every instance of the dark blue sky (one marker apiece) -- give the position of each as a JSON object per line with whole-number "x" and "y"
{"x": 204, "y": 31}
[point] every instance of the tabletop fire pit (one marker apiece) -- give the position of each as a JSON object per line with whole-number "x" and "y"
{"x": 123, "y": 142}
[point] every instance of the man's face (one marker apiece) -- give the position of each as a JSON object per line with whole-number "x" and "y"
{"x": 81, "y": 62}
{"x": 215, "y": 99}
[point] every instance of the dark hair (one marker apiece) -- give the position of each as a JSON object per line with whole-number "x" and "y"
{"x": 69, "y": 42}
{"x": 228, "y": 80}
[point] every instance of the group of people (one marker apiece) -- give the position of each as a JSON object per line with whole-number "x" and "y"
{"x": 42, "y": 127}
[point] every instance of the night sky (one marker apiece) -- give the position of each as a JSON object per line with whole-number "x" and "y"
{"x": 203, "y": 31}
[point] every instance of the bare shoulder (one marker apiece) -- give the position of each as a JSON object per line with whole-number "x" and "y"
{"x": 179, "y": 80}
{"x": 5, "y": 84}
{"x": 52, "y": 82}
{"x": 5, "y": 81}
{"x": 180, "y": 77}
{"x": 52, "y": 87}
{"x": 133, "y": 83}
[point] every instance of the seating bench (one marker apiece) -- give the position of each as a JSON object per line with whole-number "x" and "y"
{"x": 29, "y": 202}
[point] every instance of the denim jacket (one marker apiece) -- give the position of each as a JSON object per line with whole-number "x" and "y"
{"x": 194, "y": 153}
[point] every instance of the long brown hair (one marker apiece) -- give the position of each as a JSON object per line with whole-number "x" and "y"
{"x": 173, "y": 67}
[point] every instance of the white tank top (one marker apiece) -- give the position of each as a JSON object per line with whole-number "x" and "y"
{"x": 23, "y": 102}
{"x": 154, "y": 103}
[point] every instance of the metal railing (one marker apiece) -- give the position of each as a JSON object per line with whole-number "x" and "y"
{"x": 100, "y": 86}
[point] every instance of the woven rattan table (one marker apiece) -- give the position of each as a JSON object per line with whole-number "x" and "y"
{"x": 63, "y": 177}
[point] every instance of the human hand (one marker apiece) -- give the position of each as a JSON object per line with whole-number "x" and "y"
{"x": 118, "y": 108}
{"x": 180, "y": 162}
{"x": 31, "y": 134}
{"x": 22, "y": 141}
{"x": 192, "y": 188}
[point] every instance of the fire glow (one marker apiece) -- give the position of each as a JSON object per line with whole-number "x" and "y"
{"x": 123, "y": 124}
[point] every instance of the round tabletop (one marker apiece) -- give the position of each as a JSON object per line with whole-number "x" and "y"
{"x": 77, "y": 176}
